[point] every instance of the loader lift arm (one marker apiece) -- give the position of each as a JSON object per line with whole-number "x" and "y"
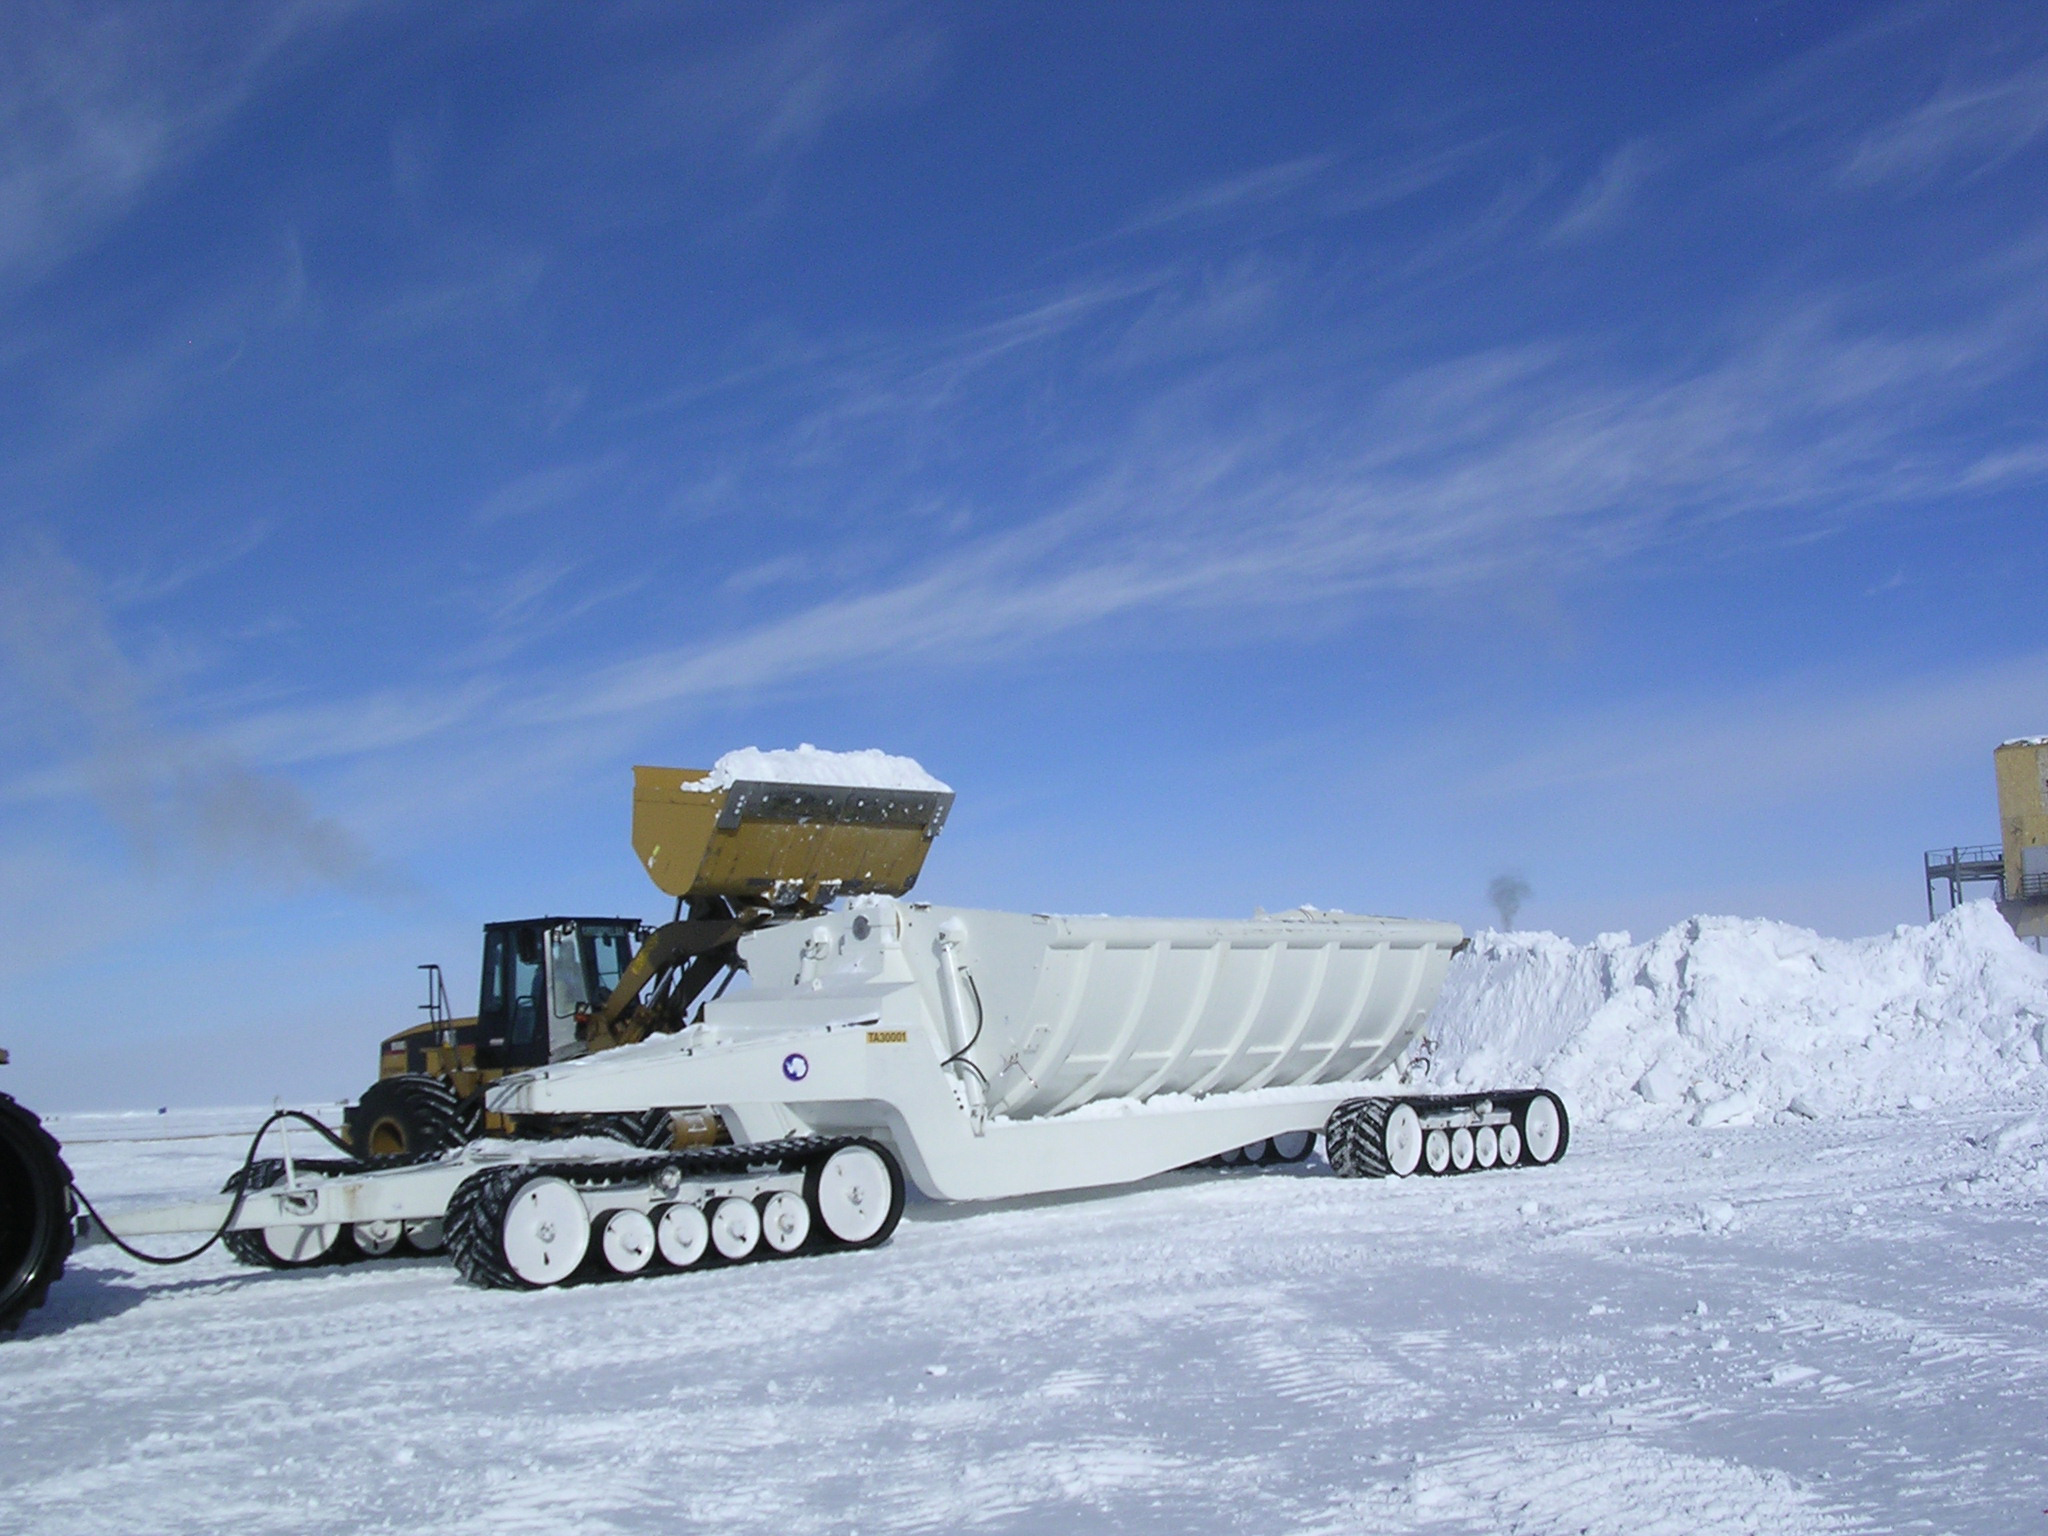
{"x": 679, "y": 960}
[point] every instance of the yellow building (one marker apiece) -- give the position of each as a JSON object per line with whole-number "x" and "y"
{"x": 2022, "y": 768}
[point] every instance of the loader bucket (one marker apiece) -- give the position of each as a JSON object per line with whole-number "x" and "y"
{"x": 769, "y": 844}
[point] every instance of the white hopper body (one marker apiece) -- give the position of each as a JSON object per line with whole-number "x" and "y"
{"x": 1064, "y": 1011}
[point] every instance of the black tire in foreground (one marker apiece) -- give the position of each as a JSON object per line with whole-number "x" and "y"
{"x": 35, "y": 1212}
{"x": 652, "y": 1129}
{"x": 412, "y": 1115}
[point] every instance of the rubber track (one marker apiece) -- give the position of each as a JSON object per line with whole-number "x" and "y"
{"x": 1355, "y": 1139}
{"x": 27, "y": 1128}
{"x": 476, "y": 1214}
{"x": 470, "y": 1226}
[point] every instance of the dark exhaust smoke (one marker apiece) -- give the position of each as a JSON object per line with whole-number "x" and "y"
{"x": 1507, "y": 893}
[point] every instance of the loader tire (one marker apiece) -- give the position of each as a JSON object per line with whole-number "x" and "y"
{"x": 1358, "y": 1143}
{"x": 412, "y": 1115}
{"x": 474, "y": 1226}
{"x": 653, "y": 1129}
{"x": 35, "y": 1212}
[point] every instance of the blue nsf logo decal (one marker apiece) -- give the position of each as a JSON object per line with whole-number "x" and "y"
{"x": 795, "y": 1068}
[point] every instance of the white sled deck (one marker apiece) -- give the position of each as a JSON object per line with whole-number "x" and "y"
{"x": 1004, "y": 1054}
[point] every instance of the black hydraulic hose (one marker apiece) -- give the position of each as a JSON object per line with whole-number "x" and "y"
{"x": 234, "y": 1210}
{"x": 980, "y": 1019}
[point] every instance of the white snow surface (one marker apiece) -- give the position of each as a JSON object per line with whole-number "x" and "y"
{"x": 1771, "y": 1330}
{"x": 1725, "y": 1021}
{"x": 868, "y": 769}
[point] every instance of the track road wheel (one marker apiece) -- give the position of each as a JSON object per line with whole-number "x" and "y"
{"x": 1293, "y": 1146}
{"x": 1436, "y": 1151}
{"x": 412, "y": 1114}
{"x": 513, "y": 1229}
{"x": 297, "y": 1247}
{"x": 35, "y": 1212}
{"x": 1373, "y": 1138}
{"x": 545, "y": 1231}
{"x": 375, "y": 1239}
{"x": 785, "y": 1221}
{"x": 627, "y": 1242}
{"x": 1545, "y": 1128}
{"x": 856, "y": 1193}
{"x": 1461, "y": 1149}
{"x": 1486, "y": 1146}
{"x": 683, "y": 1235}
{"x": 1510, "y": 1146}
{"x": 735, "y": 1228}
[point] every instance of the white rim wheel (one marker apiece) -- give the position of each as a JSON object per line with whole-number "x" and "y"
{"x": 1256, "y": 1153}
{"x": 1231, "y": 1158}
{"x": 735, "y": 1228}
{"x": 628, "y": 1242}
{"x": 1510, "y": 1146}
{"x": 1293, "y": 1146}
{"x": 374, "y": 1239}
{"x": 1486, "y": 1146}
{"x": 1461, "y": 1149}
{"x": 1540, "y": 1128}
{"x": 785, "y": 1221}
{"x": 426, "y": 1236}
{"x": 854, "y": 1194}
{"x": 1436, "y": 1147}
{"x": 1404, "y": 1140}
{"x": 683, "y": 1235}
{"x": 546, "y": 1231}
{"x": 301, "y": 1245}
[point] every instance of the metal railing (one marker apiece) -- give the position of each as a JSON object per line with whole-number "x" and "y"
{"x": 1940, "y": 860}
{"x": 1977, "y": 864}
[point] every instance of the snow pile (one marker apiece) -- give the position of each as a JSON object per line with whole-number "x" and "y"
{"x": 871, "y": 769}
{"x": 1723, "y": 1021}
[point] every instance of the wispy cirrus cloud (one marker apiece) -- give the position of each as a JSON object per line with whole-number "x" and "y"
{"x": 1607, "y": 195}
{"x": 100, "y": 103}
{"x": 1976, "y": 118}
{"x": 765, "y": 82}
{"x": 1220, "y": 497}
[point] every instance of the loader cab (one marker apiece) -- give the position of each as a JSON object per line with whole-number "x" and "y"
{"x": 539, "y": 975}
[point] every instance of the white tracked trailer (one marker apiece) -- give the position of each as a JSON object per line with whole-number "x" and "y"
{"x": 980, "y": 1055}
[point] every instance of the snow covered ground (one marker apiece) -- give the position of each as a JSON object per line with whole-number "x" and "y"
{"x": 1794, "y": 1324}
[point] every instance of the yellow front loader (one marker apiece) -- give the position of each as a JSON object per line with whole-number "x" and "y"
{"x": 737, "y": 856}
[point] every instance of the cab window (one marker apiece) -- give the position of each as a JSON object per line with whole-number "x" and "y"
{"x": 606, "y": 953}
{"x": 526, "y": 985}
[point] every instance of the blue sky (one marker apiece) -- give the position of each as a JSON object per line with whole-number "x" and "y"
{"x": 1256, "y": 454}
